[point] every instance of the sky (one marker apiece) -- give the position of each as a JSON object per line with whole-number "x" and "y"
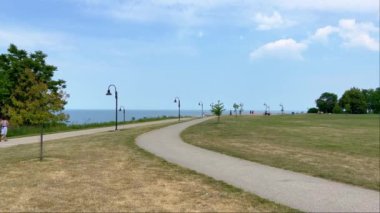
{"x": 244, "y": 51}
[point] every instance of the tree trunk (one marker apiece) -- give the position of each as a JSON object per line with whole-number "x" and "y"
{"x": 42, "y": 143}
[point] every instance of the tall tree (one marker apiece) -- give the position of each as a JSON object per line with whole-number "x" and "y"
{"x": 217, "y": 109}
{"x": 375, "y": 100}
{"x": 236, "y": 107}
{"x": 241, "y": 105}
{"x": 326, "y": 102}
{"x": 372, "y": 98}
{"x": 354, "y": 100}
{"x": 32, "y": 103}
{"x": 28, "y": 92}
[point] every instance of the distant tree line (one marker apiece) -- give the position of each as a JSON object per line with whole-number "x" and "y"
{"x": 28, "y": 93}
{"x": 353, "y": 101}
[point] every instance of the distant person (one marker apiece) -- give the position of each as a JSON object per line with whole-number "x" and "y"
{"x": 4, "y": 129}
{"x": 230, "y": 112}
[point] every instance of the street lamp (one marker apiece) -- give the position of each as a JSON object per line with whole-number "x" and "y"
{"x": 176, "y": 99}
{"x": 201, "y": 104}
{"x": 266, "y": 109}
{"x": 123, "y": 112}
{"x": 282, "y": 109}
{"x": 109, "y": 93}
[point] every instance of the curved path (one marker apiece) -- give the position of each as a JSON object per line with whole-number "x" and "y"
{"x": 292, "y": 189}
{"x": 55, "y": 136}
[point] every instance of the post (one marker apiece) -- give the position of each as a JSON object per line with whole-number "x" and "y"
{"x": 179, "y": 110}
{"x": 116, "y": 108}
{"x": 42, "y": 143}
{"x": 124, "y": 115}
{"x": 201, "y": 104}
{"x": 179, "y": 107}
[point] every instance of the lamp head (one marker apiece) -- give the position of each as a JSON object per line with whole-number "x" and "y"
{"x": 108, "y": 92}
{"x": 175, "y": 100}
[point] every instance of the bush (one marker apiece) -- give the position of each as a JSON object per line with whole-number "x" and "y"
{"x": 312, "y": 110}
{"x": 337, "y": 109}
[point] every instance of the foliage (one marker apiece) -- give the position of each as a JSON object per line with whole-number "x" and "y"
{"x": 236, "y": 107}
{"x": 217, "y": 109}
{"x": 372, "y": 98}
{"x": 356, "y": 101}
{"x": 353, "y": 101}
{"x": 241, "y": 108}
{"x": 312, "y": 110}
{"x": 337, "y": 109}
{"x": 28, "y": 94}
{"x": 326, "y": 102}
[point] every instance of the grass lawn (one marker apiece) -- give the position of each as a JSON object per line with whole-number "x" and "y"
{"x": 107, "y": 172}
{"x": 17, "y": 131}
{"x": 344, "y": 148}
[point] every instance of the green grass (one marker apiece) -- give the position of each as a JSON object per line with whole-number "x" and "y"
{"x": 108, "y": 172}
{"x": 344, "y": 148}
{"x": 54, "y": 128}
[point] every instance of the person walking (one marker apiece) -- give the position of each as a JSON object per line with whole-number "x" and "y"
{"x": 4, "y": 129}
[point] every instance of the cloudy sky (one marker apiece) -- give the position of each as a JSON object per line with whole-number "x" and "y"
{"x": 249, "y": 51}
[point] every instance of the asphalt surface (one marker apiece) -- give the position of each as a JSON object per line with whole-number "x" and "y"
{"x": 56, "y": 136}
{"x": 292, "y": 189}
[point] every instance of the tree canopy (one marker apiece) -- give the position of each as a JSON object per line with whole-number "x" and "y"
{"x": 28, "y": 93}
{"x": 326, "y": 102}
{"x": 353, "y": 101}
{"x": 217, "y": 109}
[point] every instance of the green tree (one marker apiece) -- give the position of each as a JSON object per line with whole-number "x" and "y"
{"x": 337, "y": 109}
{"x": 217, "y": 109}
{"x": 236, "y": 107}
{"x": 356, "y": 101}
{"x": 375, "y": 100}
{"x": 347, "y": 108}
{"x": 326, "y": 102}
{"x": 32, "y": 103}
{"x": 28, "y": 92}
{"x": 241, "y": 105}
{"x": 372, "y": 98}
{"x": 312, "y": 110}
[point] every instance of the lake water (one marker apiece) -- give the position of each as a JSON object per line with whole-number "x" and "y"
{"x": 97, "y": 116}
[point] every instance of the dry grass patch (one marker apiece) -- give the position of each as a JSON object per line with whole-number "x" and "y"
{"x": 339, "y": 147}
{"x": 108, "y": 172}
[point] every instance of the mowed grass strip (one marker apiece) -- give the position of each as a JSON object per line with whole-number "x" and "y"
{"x": 344, "y": 148}
{"x": 107, "y": 172}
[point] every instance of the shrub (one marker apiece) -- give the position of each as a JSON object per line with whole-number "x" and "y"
{"x": 312, "y": 110}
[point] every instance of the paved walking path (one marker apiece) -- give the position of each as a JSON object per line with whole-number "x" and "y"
{"x": 292, "y": 189}
{"x": 55, "y": 136}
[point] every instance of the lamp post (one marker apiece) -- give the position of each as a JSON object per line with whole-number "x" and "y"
{"x": 201, "y": 104}
{"x": 123, "y": 112}
{"x": 282, "y": 109}
{"x": 109, "y": 93}
{"x": 176, "y": 99}
{"x": 266, "y": 109}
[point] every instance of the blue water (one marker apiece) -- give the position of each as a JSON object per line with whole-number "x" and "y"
{"x": 97, "y": 116}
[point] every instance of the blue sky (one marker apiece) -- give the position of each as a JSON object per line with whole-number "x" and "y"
{"x": 254, "y": 52}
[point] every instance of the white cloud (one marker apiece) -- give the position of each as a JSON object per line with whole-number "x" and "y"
{"x": 352, "y": 33}
{"x": 322, "y": 34}
{"x": 188, "y": 13}
{"x": 358, "y": 34}
{"x": 179, "y": 12}
{"x": 371, "y": 6}
{"x": 26, "y": 38}
{"x": 274, "y": 21}
{"x": 283, "y": 49}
